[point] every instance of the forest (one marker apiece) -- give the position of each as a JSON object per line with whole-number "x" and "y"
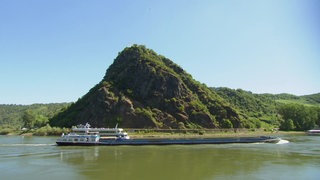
{"x": 14, "y": 118}
{"x": 283, "y": 111}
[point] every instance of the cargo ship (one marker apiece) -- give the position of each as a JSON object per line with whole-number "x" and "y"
{"x": 87, "y": 136}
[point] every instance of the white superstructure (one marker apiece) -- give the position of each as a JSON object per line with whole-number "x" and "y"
{"x": 86, "y": 135}
{"x": 103, "y": 132}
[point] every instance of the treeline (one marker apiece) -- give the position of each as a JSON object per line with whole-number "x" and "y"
{"x": 298, "y": 113}
{"x": 285, "y": 111}
{"x": 298, "y": 117}
{"x": 35, "y": 116}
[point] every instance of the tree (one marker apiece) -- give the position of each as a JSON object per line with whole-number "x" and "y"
{"x": 226, "y": 124}
{"x": 28, "y": 119}
{"x": 287, "y": 125}
{"x": 40, "y": 121}
{"x": 297, "y": 117}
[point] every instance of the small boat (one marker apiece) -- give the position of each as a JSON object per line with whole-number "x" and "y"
{"x": 313, "y": 132}
{"x": 84, "y": 136}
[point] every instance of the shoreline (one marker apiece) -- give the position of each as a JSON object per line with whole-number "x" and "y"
{"x": 214, "y": 135}
{"x": 151, "y": 133}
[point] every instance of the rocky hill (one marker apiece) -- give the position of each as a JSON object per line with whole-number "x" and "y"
{"x": 142, "y": 89}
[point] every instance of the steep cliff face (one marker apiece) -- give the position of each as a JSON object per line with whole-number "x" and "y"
{"x": 142, "y": 89}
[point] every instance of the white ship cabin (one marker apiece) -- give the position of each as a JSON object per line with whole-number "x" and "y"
{"x": 112, "y": 132}
{"x": 103, "y": 132}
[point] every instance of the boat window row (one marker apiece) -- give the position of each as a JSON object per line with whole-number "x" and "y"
{"x": 76, "y": 140}
{"x": 109, "y": 131}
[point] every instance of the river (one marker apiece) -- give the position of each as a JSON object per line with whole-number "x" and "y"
{"x": 39, "y": 158}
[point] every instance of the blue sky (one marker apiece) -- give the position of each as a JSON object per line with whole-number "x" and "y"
{"x": 56, "y": 50}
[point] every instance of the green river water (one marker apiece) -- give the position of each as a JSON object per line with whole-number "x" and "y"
{"x": 39, "y": 158}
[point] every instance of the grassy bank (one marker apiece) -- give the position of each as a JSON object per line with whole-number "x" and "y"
{"x": 43, "y": 131}
{"x": 207, "y": 133}
{"x": 160, "y": 133}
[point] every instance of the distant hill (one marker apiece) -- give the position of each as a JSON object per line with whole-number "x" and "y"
{"x": 142, "y": 89}
{"x": 255, "y": 107}
{"x": 287, "y": 111}
{"x": 310, "y": 100}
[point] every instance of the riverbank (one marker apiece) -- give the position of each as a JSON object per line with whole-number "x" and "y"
{"x": 210, "y": 133}
{"x": 43, "y": 131}
{"x": 172, "y": 133}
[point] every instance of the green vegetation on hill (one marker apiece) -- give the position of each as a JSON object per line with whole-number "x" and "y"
{"x": 310, "y": 100}
{"x": 259, "y": 110}
{"x": 286, "y": 111}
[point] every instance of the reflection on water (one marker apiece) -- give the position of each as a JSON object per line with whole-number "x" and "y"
{"x": 37, "y": 157}
{"x": 165, "y": 162}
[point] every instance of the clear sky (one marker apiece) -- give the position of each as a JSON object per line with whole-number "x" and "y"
{"x": 56, "y": 50}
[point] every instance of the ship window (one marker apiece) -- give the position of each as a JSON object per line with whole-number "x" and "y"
{"x": 106, "y": 131}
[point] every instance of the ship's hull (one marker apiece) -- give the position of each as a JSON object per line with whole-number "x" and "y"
{"x": 77, "y": 143}
{"x": 117, "y": 142}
